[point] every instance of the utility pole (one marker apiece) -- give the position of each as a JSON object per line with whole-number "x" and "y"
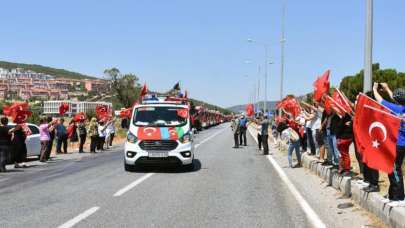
{"x": 265, "y": 77}
{"x": 258, "y": 88}
{"x": 282, "y": 42}
{"x": 368, "y": 48}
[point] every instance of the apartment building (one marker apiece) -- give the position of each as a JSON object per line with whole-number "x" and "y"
{"x": 29, "y": 84}
{"x": 52, "y": 107}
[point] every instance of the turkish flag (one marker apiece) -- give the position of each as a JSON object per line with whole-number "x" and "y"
{"x": 292, "y": 106}
{"x": 149, "y": 133}
{"x": 321, "y": 86}
{"x": 182, "y": 112}
{"x": 10, "y": 110}
{"x": 21, "y": 116}
{"x": 376, "y": 133}
{"x": 144, "y": 90}
{"x": 81, "y": 116}
{"x": 126, "y": 113}
{"x": 362, "y": 100}
{"x": 331, "y": 103}
{"x": 102, "y": 112}
{"x": 250, "y": 110}
{"x": 342, "y": 101}
{"x": 63, "y": 108}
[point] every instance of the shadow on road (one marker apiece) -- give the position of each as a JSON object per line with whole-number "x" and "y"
{"x": 168, "y": 168}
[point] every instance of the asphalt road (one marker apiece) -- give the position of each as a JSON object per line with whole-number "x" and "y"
{"x": 227, "y": 188}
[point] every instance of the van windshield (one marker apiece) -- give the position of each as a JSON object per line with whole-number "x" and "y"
{"x": 160, "y": 116}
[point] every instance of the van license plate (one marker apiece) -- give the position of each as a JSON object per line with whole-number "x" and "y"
{"x": 153, "y": 154}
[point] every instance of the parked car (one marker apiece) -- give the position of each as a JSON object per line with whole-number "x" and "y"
{"x": 33, "y": 142}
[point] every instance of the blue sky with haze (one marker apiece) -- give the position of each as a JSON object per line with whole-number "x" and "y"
{"x": 202, "y": 43}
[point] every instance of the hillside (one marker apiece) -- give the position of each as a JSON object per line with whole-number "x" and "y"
{"x": 241, "y": 108}
{"x": 60, "y": 73}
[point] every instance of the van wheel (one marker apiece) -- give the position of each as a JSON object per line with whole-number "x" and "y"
{"x": 129, "y": 168}
{"x": 190, "y": 167}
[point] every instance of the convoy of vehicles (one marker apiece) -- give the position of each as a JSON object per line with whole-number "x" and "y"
{"x": 205, "y": 118}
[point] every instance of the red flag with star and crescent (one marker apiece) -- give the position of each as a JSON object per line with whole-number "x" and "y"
{"x": 376, "y": 133}
{"x": 342, "y": 101}
{"x": 149, "y": 133}
{"x": 321, "y": 86}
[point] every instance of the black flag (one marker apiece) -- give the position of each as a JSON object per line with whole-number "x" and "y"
{"x": 176, "y": 86}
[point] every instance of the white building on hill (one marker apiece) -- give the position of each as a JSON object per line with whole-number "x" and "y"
{"x": 52, "y": 107}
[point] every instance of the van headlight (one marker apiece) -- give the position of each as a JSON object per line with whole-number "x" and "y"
{"x": 186, "y": 138}
{"x": 131, "y": 138}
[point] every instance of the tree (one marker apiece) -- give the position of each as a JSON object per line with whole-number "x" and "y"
{"x": 125, "y": 87}
{"x": 352, "y": 85}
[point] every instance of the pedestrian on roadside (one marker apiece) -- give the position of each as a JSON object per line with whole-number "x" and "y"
{"x": 292, "y": 135}
{"x": 44, "y": 137}
{"x": 72, "y": 133}
{"x": 125, "y": 123}
{"x": 312, "y": 124}
{"x": 396, "y": 188}
{"x": 332, "y": 123}
{"x": 344, "y": 136}
{"x": 18, "y": 147}
{"x": 324, "y": 150}
{"x": 82, "y": 134}
{"x": 93, "y": 133}
{"x": 5, "y": 142}
{"x": 101, "y": 128}
{"x": 62, "y": 137}
{"x": 110, "y": 131}
{"x": 243, "y": 128}
{"x": 265, "y": 134}
{"x": 259, "y": 132}
{"x": 52, "y": 134}
{"x": 235, "y": 129}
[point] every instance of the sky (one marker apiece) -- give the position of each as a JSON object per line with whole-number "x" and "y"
{"x": 203, "y": 44}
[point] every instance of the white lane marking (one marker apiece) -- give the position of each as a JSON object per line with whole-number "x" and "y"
{"x": 79, "y": 218}
{"x": 133, "y": 184}
{"x": 146, "y": 176}
{"x": 209, "y": 138}
{"x": 311, "y": 214}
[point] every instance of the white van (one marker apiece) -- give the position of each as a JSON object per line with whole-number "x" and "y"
{"x": 159, "y": 132}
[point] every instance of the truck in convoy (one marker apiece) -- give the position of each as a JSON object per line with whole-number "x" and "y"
{"x": 160, "y": 132}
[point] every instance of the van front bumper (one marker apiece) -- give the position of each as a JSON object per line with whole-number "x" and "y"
{"x": 134, "y": 155}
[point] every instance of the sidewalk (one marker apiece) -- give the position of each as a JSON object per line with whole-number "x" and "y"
{"x": 350, "y": 188}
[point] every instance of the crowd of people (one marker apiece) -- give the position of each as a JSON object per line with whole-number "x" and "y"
{"x": 13, "y": 139}
{"x": 327, "y": 134}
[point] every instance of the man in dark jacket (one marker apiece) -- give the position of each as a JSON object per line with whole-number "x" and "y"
{"x": 243, "y": 128}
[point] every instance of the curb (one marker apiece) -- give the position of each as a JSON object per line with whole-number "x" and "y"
{"x": 373, "y": 202}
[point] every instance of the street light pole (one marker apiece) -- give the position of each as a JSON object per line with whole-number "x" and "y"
{"x": 258, "y": 88}
{"x": 368, "y": 48}
{"x": 265, "y": 78}
{"x": 282, "y": 42}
